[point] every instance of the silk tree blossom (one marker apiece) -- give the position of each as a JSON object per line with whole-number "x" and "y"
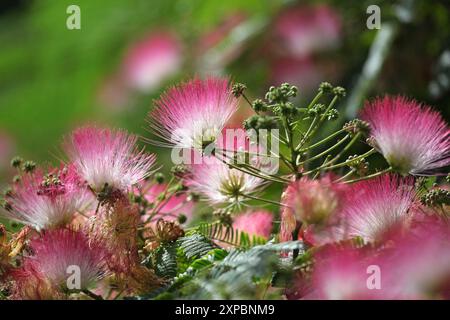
{"x": 51, "y": 200}
{"x": 221, "y": 184}
{"x": 218, "y": 181}
{"x": 152, "y": 60}
{"x": 341, "y": 273}
{"x": 258, "y": 223}
{"x": 414, "y": 265}
{"x": 417, "y": 265}
{"x": 314, "y": 201}
{"x": 193, "y": 114}
{"x": 374, "y": 208}
{"x": 56, "y": 255}
{"x": 108, "y": 158}
{"x": 412, "y": 137}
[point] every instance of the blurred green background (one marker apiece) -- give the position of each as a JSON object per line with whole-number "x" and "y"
{"x": 53, "y": 79}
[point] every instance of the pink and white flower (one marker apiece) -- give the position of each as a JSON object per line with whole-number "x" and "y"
{"x": 221, "y": 184}
{"x": 110, "y": 158}
{"x": 60, "y": 253}
{"x": 341, "y": 273}
{"x": 376, "y": 207}
{"x": 412, "y": 137}
{"x": 193, "y": 114}
{"x": 314, "y": 201}
{"x": 258, "y": 223}
{"x": 415, "y": 265}
{"x": 152, "y": 60}
{"x": 50, "y": 200}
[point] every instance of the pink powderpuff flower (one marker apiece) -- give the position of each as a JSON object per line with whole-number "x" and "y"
{"x": 258, "y": 223}
{"x": 314, "y": 201}
{"x": 417, "y": 265}
{"x": 344, "y": 273}
{"x": 412, "y": 137}
{"x": 305, "y": 30}
{"x": 221, "y": 184}
{"x": 58, "y": 254}
{"x": 152, "y": 60}
{"x": 51, "y": 200}
{"x": 170, "y": 208}
{"x": 377, "y": 207}
{"x": 193, "y": 114}
{"x": 108, "y": 158}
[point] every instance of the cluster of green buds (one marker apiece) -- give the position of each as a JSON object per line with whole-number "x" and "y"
{"x": 360, "y": 165}
{"x": 22, "y": 166}
{"x": 436, "y": 197}
{"x": 179, "y": 170}
{"x": 238, "y": 89}
{"x": 319, "y": 109}
{"x": 357, "y": 126}
{"x": 258, "y": 122}
{"x": 328, "y": 88}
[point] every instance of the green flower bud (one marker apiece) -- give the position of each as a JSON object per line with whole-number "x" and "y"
{"x": 238, "y": 89}
{"x": 159, "y": 177}
{"x": 16, "y": 162}
{"x": 29, "y": 166}
{"x": 325, "y": 87}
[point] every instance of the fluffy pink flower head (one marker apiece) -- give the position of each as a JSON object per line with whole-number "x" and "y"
{"x": 305, "y": 30}
{"x": 221, "y": 184}
{"x": 314, "y": 201}
{"x": 60, "y": 253}
{"x": 417, "y": 266}
{"x": 193, "y": 114}
{"x": 413, "y": 138}
{"x": 341, "y": 273}
{"x": 110, "y": 158}
{"x": 376, "y": 207}
{"x": 50, "y": 200}
{"x": 258, "y": 223}
{"x": 152, "y": 60}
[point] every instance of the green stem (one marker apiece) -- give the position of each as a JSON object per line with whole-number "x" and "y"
{"x": 315, "y": 99}
{"x": 272, "y": 178}
{"x": 326, "y": 151}
{"x": 322, "y": 141}
{"x": 370, "y": 176}
{"x": 345, "y": 176}
{"x": 316, "y": 124}
{"x": 342, "y": 164}
{"x": 264, "y": 200}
